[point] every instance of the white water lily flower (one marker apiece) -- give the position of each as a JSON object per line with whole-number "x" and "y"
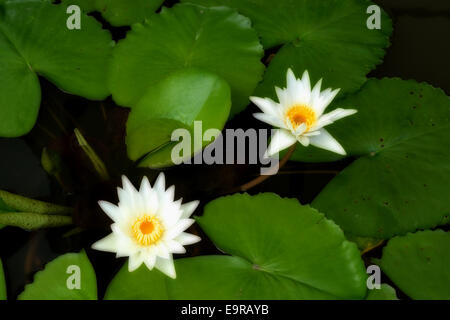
{"x": 299, "y": 115}
{"x": 148, "y": 226}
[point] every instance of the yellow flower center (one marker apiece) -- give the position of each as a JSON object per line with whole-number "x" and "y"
{"x": 147, "y": 230}
{"x": 299, "y": 114}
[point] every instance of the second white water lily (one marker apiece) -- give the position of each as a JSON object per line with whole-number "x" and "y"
{"x": 148, "y": 226}
{"x": 299, "y": 115}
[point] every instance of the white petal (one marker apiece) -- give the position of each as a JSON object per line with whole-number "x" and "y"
{"x": 160, "y": 183}
{"x": 125, "y": 199}
{"x": 283, "y": 96}
{"x": 333, "y": 116}
{"x": 150, "y": 261}
{"x": 170, "y": 212}
{"x": 187, "y": 238}
{"x": 111, "y": 210}
{"x": 188, "y": 209}
{"x": 304, "y": 140}
{"x": 327, "y": 142}
{"x": 269, "y": 119}
{"x": 150, "y": 199}
{"x": 266, "y": 105}
{"x": 162, "y": 251}
{"x": 107, "y": 244}
{"x": 301, "y": 129}
{"x": 326, "y": 98}
{"x": 181, "y": 225}
{"x": 291, "y": 80}
{"x": 281, "y": 140}
{"x": 339, "y": 114}
{"x": 306, "y": 82}
{"x": 128, "y": 186}
{"x": 135, "y": 261}
{"x": 315, "y": 94}
{"x": 166, "y": 266}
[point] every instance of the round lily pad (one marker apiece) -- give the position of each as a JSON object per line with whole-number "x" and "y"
{"x": 119, "y": 12}
{"x": 399, "y": 180}
{"x": 34, "y": 40}
{"x": 58, "y": 281}
{"x": 419, "y": 264}
{"x": 2, "y": 283}
{"x": 217, "y": 40}
{"x": 176, "y": 102}
{"x": 329, "y": 38}
{"x": 280, "y": 250}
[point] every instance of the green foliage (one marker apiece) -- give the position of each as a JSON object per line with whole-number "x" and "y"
{"x": 399, "y": 180}
{"x": 329, "y": 38}
{"x": 141, "y": 284}
{"x": 418, "y": 264}
{"x": 34, "y": 41}
{"x": 52, "y": 282}
{"x": 119, "y": 12}
{"x": 386, "y": 292}
{"x": 2, "y": 283}
{"x": 280, "y": 250}
{"x": 217, "y": 40}
{"x": 176, "y": 102}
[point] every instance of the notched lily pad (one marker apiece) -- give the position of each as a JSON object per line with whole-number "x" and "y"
{"x": 329, "y": 38}
{"x": 175, "y": 103}
{"x": 399, "y": 180}
{"x": 34, "y": 40}
{"x": 218, "y": 40}
{"x": 119, "y": 12}
{"x": 419, "y": 264}
{"x": 280, "y": 250}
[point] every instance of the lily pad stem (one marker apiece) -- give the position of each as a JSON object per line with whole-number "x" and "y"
{"x": 262, "y": 178}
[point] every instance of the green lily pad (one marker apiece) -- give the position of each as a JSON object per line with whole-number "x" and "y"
{"x": 399, "y": 180}
{"x": 34, "y": 40}
{"x": 217, "y": 40}
{"x": 329, "y": 38}
{"x": 419, "y": 264}
{"x": 176, "y": 102}
{"x": 280, "y": 250}
{"x": 386, "y": 292}
{"x": 140, "y": 284}
{"x": 56, "y": 281}
{"x": 2, "y": 283}
{"x": 119, "y": 12}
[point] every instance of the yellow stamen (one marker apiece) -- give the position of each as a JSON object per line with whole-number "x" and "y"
{"x": 147, "y": 230}
{"x": 299, "y": 114}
